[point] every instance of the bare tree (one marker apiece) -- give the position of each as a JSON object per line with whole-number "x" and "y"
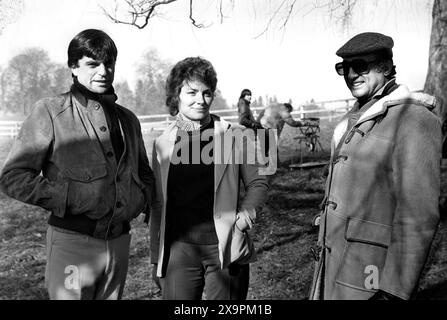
{"x": 9, "y": 12}
{"x": 340, "y": 11}
{"x": 137, "y": 13}
{"x": 30, "y": 76}
{"x": 2, "y": 88}
{"x": 436, "y": 81}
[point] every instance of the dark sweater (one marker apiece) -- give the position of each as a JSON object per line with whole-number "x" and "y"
{"x": 190, "y": 197}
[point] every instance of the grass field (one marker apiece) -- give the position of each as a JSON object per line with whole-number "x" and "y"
{"x": 282, "y": 234}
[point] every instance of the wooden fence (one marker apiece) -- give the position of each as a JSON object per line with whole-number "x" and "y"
{"x": 326, "y": 110}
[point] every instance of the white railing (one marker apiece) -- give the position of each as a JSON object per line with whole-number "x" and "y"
{"x": 328, "y": 110}
{"x": 10, "y": 128}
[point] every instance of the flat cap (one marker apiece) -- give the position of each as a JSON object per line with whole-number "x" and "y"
{"x": 366, "y": 42}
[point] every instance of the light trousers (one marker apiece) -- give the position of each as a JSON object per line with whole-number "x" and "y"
{"x": 80, "y": 267}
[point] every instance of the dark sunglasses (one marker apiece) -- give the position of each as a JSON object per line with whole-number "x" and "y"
{"x": 359, "y": 66}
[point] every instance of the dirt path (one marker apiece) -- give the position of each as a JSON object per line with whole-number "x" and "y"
{"x": 283, "y": 236}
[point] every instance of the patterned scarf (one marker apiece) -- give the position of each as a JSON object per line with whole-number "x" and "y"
{"x": 183, "y": 123}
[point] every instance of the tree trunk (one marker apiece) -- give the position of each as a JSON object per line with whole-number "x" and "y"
{"x": 436, "y": 82}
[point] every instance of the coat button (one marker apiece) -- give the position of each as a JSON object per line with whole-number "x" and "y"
{"x": 103, "y": 128}
{"x": 87, "y": 177}
{"x": 96, "y": 106}
{"x": 118, "y": 179}
{"x": 109, "y": 154}
{"x": 119, "y": 205}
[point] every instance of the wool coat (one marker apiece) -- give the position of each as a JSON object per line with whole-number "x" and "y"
{"x": 380, "y": 210}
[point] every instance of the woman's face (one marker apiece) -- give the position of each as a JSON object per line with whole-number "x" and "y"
{"x": 248, "y": 97}
{"x": 195, "y": 100}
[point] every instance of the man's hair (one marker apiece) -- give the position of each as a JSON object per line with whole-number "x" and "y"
{"x": 288, "y": 107}
{"x": 245, "y": 92}
{"x": 92, "y": 43}
{"x": 385, "y": 57}
{"x": 189, "y": 69}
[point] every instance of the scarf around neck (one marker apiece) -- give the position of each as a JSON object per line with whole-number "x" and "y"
{"x": 109, "y": 97}
{"x": 183, "y": 123}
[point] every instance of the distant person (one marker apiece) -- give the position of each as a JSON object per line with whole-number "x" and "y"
{"x": 82, "y": 157}
{"x": 246, "y": 117}
{"x": 381, "y": 201}
{"x": 199, "y": 224}
{"x": 275, "y": 116}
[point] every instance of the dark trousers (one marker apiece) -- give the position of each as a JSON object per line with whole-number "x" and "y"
{"x": 195, "y": 269}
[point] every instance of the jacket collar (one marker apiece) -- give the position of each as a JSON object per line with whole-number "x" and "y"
{"x": 381, "y": 106}
{"x": 400, "y": 95}
{"x": 170, "y": 133}
{"x": 87, "y": 98}
{"x": 165, "y": 147}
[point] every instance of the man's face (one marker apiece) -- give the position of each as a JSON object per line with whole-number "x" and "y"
{"x": 195, "y": 100}
{"x": 94, "y": 75}
{"x": 248, "y": 97}
{"x": 364, "y": 85}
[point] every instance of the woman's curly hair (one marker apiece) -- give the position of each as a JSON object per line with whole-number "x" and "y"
{"x": 189, "y": 69}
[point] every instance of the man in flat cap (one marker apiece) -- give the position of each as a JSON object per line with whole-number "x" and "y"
{"x": 380, "y": 210}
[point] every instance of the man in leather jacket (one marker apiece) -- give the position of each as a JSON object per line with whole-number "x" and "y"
{"x": 81, "y": 156}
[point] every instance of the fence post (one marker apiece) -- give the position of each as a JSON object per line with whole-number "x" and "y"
{"x": 17, "y": 128}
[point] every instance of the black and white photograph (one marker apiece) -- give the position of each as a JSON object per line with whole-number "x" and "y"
{"x": 242, "y": 152}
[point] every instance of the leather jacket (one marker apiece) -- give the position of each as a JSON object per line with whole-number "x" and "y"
{"x": 63, "y": 161}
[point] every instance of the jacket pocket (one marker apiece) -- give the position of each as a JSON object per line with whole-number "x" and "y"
{"x": 86, "y": 174}
{"x": 87, "y": 190}
{"x": 368, "y": 232}
{"x": 137, "y": 195}
{"x": 363, "y": 258}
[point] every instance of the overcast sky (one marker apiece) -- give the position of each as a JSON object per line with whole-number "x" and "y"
{"x": 297, "y": 63}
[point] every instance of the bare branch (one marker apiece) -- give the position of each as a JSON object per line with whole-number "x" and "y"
{"x": 220, "y": 12}
{"x": 289, "y": 13}
{"x": 194, "y": 23}
{"x": 272, "y": 17}
{"x": 139, "y": 12}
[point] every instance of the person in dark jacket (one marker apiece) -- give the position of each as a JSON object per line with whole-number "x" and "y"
{"x": 81, "y": 156}
{"x": 246, "y": 117}
{"x": 380, "y": 210}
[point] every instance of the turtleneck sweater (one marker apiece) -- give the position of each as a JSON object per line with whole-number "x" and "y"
{"x": 190, "y": 194}
{"x": 107, "y": 100}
